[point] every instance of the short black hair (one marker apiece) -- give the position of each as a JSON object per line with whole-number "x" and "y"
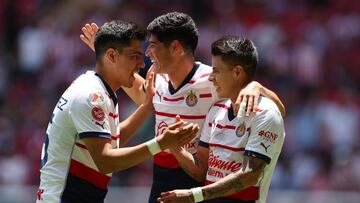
{"x": 236, "y": 50}
{"x": 117, "y": 34}
{"x": 175, "y": 26}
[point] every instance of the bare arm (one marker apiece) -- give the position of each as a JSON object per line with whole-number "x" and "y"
{"x": 194, "y": 165}
{"x": 129, "y": 126}
{"x": 235, "y": 182}
{"x": 250, "y": 95}
{"x": 238, "y": 181}
{"x": 109, "y": 160}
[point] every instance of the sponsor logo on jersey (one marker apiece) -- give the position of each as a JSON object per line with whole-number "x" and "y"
{"x": 268, "y": 136}
{"x": 39, "y": 194}
{"x": 216, "y": 162}
{"x": 191, "y": 99}
{"x": 240, "y": 130}
{"x": 100, "y": 124}
{"x": 98, "y": 114}
{"x": 161, "y": 128}
{"x": 265, "y": 147}
{"x": 96, "y": 99}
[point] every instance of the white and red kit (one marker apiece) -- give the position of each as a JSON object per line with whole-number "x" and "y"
{"x": 88, "y": 108}
{"x": 229, "y": 139}
{"x": 192, "y": 101}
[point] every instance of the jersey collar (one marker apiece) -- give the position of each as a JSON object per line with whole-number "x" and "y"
{"x": 109, "y": 90}
{"x": 231, "y": 115}
{"x": 186, "y": 80}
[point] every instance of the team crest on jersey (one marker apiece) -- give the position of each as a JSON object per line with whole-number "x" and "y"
{"x": 98, "y": 114}
{"x": 191, "y": 99}
{"x": 96, "y": 99}
{"x": 240, "y": 130}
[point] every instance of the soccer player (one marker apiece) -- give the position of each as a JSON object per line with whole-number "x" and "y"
{"x": 81, "y": 147}
{"x": 236, "y": 157}
{"x": 182, "y": 88}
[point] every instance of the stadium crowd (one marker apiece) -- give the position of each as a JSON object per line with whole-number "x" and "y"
{"x": 309, "y": 54}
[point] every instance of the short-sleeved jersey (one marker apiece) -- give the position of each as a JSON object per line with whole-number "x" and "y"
{"x": 88, "y": 108}
{"x": 229, "y": 139}
{"x": 192, "y": 101}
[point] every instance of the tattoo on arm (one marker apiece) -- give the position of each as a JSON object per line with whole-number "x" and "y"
{"x": 188, "y": 171}
{"x": 238, "y": 181}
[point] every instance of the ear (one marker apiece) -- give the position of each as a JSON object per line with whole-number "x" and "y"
{"x": 176, "y": 48}
{"x": 110, "y": 55}
{"x": 238, "y": 72}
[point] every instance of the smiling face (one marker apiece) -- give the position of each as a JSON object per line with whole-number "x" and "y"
{"x": 226, "y": 79}
{"x": 159, "y": 54}
{"x": 127, "y": 63}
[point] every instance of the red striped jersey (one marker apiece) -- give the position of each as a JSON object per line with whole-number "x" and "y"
{"x": 230, "y": 139}
{"x": 192, "y": 101}
{"x": 88, "y": 108}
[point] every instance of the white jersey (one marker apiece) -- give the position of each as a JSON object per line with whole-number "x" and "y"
{"x": 230, "y": 139}
{"x": 88, "y": 108}
{"x": 191, "y": 102}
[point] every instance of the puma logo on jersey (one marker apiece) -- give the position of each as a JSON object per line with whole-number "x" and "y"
{"x": 265, "y": 147}
{"x": 39, "y": 194}
{"x": 101, "y": 125}
{"x": 160, "y": 95}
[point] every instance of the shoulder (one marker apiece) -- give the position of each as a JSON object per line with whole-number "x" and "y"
{"x": 220, "y": 106}
{"x": 268, "y": 112}
{"x": 89, "y": 90}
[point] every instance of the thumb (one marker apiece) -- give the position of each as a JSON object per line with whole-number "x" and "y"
{"x": 177, "y": 119}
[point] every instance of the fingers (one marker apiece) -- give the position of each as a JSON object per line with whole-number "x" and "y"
{"x": 249, "y": 105}
{"x": 87, "y": 33}
{"x": 167, "y": 197}
{"x": 150, "y": 84}
{"x": 256, "y": 100}
{"x": 177, "y": 119}
{"x": 84, "y": 39}
{"x": 94, "y": 27}
{"x": 176, "y": 125}
{"x": 237, "y": 104}
{"x": 242, "y": 108}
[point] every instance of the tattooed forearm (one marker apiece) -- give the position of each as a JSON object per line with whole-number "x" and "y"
{"x": 191, "y": 172}
{"x": 236, "y": 182}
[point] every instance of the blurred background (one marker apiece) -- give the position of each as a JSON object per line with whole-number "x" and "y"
{"x": 309, "y": 55}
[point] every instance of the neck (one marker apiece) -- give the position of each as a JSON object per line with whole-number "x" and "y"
{"x": 236, "y": 91}
{"x": 101, "y": 71}
{"x": 180, "y": 70}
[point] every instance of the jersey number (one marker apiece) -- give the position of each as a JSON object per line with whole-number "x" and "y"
{"x": 44, "y": 154}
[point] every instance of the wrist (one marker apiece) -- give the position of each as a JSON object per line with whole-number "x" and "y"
{"x": 153, "y": 146}
{"x": 197, "y": 194}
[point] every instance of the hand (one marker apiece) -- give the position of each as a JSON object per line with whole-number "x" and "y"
{"x": 149, "y": 88}
{"x": 249, "y": 95}
{"x": 177, "y": 134}
{"x": 177, "y": 149}
{"x": 88, "y": 36}
{"x": 176, "y": 196}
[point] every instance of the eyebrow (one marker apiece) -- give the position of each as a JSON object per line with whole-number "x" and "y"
{"x": 152, "y": 42}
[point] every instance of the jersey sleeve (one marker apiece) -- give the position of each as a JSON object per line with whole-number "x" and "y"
{"x": 266, "y": 136}
{"x": 89, "y": 115}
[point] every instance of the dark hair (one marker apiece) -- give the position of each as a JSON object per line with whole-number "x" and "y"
{"x": 235, "y": 50}
{"x": 175, "y": 26}
{"x": 117, "y": 34}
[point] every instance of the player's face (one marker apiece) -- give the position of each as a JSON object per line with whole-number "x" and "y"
{"x": 129, "y": 62}
{"x": 159, "y": 55}
{"x": 224, "y": 78}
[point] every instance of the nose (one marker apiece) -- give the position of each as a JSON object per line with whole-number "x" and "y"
{"x": 141, "y": 63}
{"x": 147, "y": 52}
